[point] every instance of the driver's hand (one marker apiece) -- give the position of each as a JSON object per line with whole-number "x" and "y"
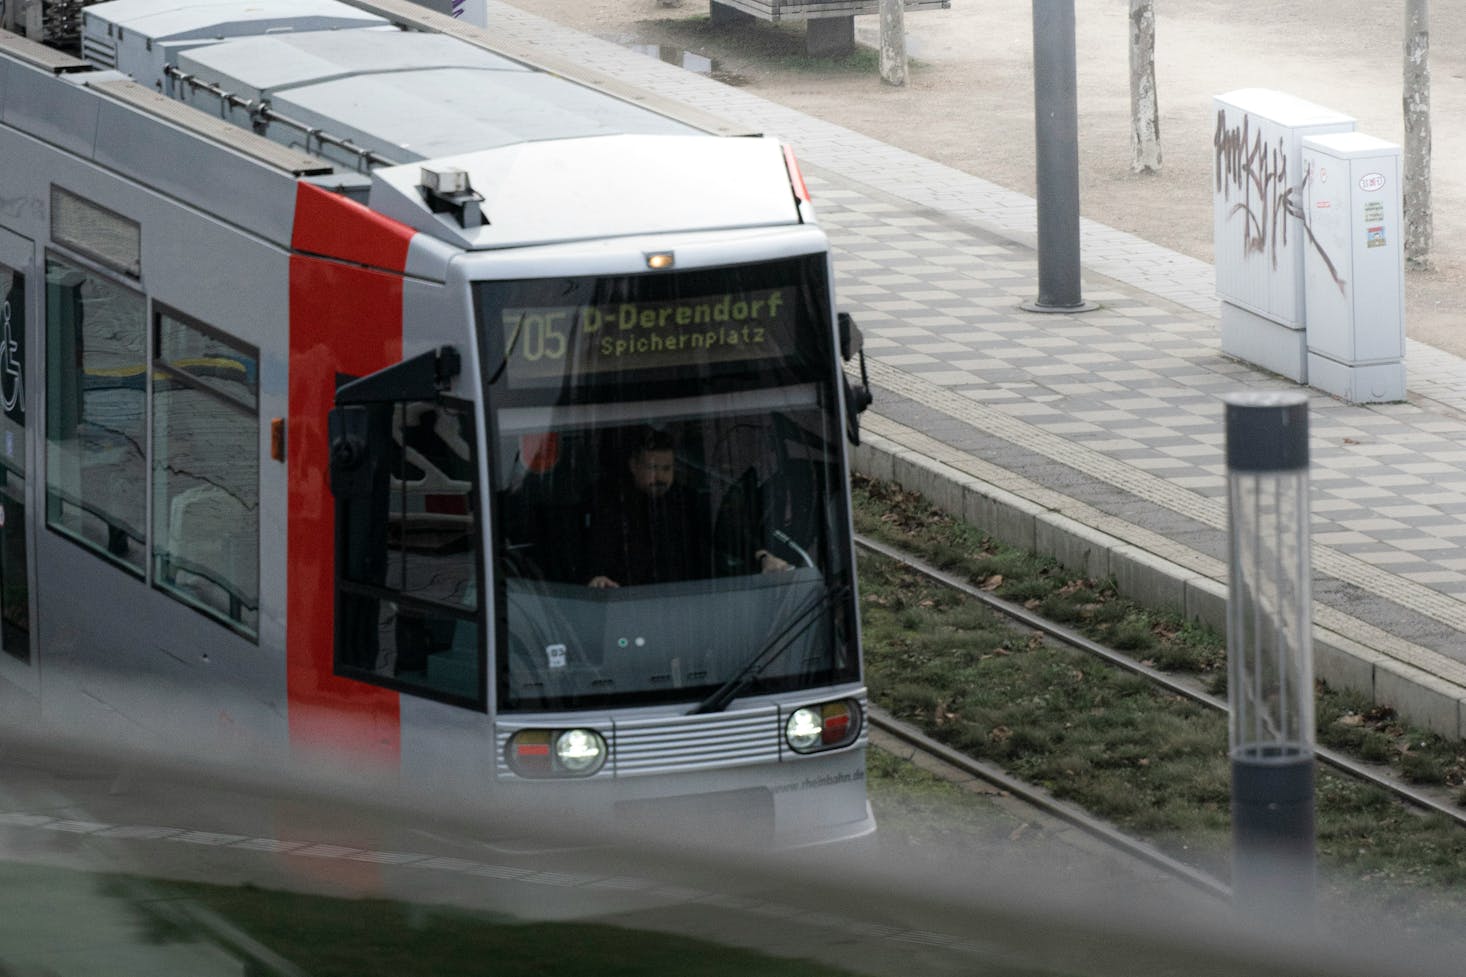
{"x": 769, "y": 563}
{"x": 602, "y": 582}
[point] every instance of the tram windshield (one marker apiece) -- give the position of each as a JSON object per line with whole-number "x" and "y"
{"x": 669, "y": 504}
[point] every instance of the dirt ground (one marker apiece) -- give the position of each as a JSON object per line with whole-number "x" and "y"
{"x": 969, "y": 102}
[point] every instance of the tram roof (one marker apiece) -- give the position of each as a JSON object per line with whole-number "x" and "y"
{"x": 213, "y": 20}
{"x": 558, "y": 190}
{"x": 544, "y": 151}
{"x": 412, "y": 96}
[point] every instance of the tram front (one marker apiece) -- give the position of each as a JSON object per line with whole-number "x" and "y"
{"x": 673, "y": 586}
{"x": 610, "y": 511}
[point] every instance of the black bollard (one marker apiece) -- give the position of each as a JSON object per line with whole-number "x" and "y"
{"x": 1270, "y": 658}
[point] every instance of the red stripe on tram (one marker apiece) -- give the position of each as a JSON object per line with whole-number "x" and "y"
{"x": 345, "y": 318}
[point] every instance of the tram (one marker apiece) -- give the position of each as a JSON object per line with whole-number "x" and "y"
{"x": 370, "y": 391}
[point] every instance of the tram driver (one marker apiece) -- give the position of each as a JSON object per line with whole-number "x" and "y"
{"x": 651, "y": 529}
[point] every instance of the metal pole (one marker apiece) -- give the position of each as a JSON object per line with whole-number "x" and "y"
{"x": 1270, "y": 658}
{"x": 1056, "y": 156}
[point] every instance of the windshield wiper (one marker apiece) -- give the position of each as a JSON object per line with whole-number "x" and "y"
{"x": 798, "y": 623}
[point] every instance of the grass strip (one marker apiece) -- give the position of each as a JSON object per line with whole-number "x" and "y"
{"x": 1150, "y": 761}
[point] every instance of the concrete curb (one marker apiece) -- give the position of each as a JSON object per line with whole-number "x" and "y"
{"x": 1153, "y": 581}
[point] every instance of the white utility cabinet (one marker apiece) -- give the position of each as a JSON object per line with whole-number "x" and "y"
{"x": 1258, "y": 235}
{"x": 1354, "y": 267}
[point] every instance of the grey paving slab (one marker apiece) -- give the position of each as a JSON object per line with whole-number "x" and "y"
{"x": 1109, "y": 421}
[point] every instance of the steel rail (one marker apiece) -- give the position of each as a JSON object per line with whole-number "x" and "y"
{"x": 1170, "y": 683}
{"x": 1050, "y": 805}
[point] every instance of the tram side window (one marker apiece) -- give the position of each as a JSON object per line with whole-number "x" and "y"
{"x": 96, "y": 379}
{"x": 206, "y": 471}
{"x": 408, "y": 554}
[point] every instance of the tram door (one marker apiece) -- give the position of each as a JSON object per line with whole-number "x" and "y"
{"x": 18, "y": 312}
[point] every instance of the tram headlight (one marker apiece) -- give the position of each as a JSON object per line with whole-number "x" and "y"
{"x": 541, "y": 753}
{"x": 823, "y": 727}
{"x": 804, "y": 730}
{"x": 580, "y": 751}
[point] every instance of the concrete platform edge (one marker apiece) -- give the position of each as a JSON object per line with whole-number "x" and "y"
{"x": 1152, "y": 581}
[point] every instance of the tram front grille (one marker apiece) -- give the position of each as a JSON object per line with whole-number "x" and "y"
{"x": 675, "y": 744}
{"x": 678, "y": 743}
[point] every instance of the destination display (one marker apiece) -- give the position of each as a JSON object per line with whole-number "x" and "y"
{"x": 545, "y": 344}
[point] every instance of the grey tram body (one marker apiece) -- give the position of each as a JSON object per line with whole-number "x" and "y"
{"x": 198, "y": 125}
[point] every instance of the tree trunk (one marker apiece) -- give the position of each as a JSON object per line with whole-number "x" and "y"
{"x": 1145, "y": 120}
{"x": 893, "y": 42}
{"x": 1418, "y": 224}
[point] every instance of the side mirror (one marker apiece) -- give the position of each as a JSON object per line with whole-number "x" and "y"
{"x": 360, "y": 424}
{"x": 851, "y": 340}
{"x": 421, "y": 378}
{"x": 857, "y": 395}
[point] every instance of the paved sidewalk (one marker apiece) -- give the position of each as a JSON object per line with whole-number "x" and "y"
{"x": 1098, "y": 437}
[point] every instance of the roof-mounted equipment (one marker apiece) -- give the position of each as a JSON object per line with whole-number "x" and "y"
{"x": 447, "y": 190}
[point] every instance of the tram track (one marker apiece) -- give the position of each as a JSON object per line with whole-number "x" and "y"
{"x": 1176, "y": 685}
{"x": 1044, "y": 802}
